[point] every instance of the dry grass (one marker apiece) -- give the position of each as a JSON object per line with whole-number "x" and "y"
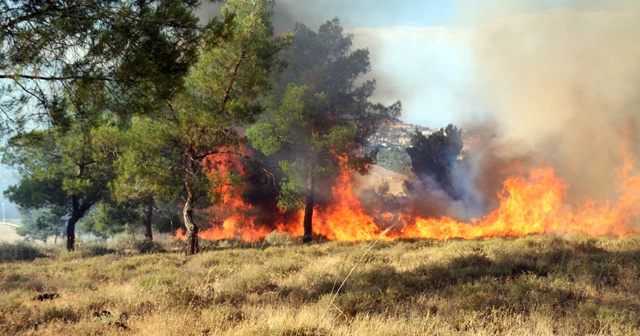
{"x": 536, "y": 285}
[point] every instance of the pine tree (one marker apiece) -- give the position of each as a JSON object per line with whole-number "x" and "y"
{"x": 220, "y": 95}
{"x": 320, "y": 115}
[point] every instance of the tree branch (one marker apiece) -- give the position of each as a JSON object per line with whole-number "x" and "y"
{"x": 227, "y": 94}
{"x": 52, "y": 78}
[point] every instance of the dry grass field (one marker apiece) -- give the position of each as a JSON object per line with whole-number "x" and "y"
{"x": 535, "y": 285}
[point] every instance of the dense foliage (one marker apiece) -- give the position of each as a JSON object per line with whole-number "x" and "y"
{"x": 141, "y": 49}
{"x": 395, "y": 159}
{"x": 66, "y": 169}
{"x": 171, "y": 148}
{"x": 118, "y": 110}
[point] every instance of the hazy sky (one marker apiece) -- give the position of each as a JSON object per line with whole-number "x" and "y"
{"x": 425, "y": 53}
{"x": 7, "y": 178}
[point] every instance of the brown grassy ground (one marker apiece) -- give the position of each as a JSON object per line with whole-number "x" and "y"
{"x": 536, "y": 285}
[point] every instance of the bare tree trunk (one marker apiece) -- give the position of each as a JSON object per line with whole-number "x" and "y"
{"x": 192, "y": 229}
{"x": 71, "y": 223}
{"x": 77, "y": 212}
{"x": 308, "y": 211}
{"x": 71, "y": 235}
{"x": 149, "y": 218}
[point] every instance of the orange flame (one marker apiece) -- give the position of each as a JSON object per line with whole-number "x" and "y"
{"x": 336, "y": 220}
{"x": 536, "y": 205}
{"x": 238, "y": 222}
{"x": 527, "y": 206}
{"x": 531, "y": 204}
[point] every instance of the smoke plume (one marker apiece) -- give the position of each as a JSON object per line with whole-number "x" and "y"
{"x": 564, "y": 84}
{"x": 555, "y": 88}
{"x": 558, "y": 86}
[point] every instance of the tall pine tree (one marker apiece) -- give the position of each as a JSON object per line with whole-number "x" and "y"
{"x": 320, "y": 115}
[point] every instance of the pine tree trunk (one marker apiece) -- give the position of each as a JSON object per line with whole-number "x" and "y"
{"x": 308, "y": 211}
{"x": 192, "y": 229}
{"x": 71, "y": 232}
{"x": 77, "y": 212}
{"x": 149, "y": 218}
{"x": 71, "y": 223}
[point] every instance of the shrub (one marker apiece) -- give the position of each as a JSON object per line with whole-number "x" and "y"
{"x": 276, "y": 238}
{"x": 94, "y": 249}
{"x": 13, "y": 281}
{"x": 127, "y": 244}
{"x": 52, "y": 313}
{"x": 11, "y": 252}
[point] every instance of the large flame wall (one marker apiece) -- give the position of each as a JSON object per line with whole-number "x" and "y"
{"x": 530, "y": 203}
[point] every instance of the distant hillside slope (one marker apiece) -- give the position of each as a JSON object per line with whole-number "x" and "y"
{"x": 377, "y": 175}
{"x": 391, "y": 142}
{"x": 8, "y": 233}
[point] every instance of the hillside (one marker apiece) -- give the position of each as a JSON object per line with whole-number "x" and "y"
{"x": 535, "y": 285}
{"x": 391, "y": 142}
{"x": 378, "y": 175}
{"x": 8, "y": 233}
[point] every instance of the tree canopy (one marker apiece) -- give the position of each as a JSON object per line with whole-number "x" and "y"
{"x": 138, "y": 47}
{"x": 113, "y": 107}
{"x": 40, "y": 224}
{"x": 66, "y": 170}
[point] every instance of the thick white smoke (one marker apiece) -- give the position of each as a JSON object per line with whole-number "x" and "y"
{"x": 564, "y": 84}
{"x": 558, "y": 87}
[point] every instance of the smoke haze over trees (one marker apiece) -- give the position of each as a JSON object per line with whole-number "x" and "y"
{"x": 440, "y": 184}
{"x": 321, "y": 116}
{"x": 433, "y": 157}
